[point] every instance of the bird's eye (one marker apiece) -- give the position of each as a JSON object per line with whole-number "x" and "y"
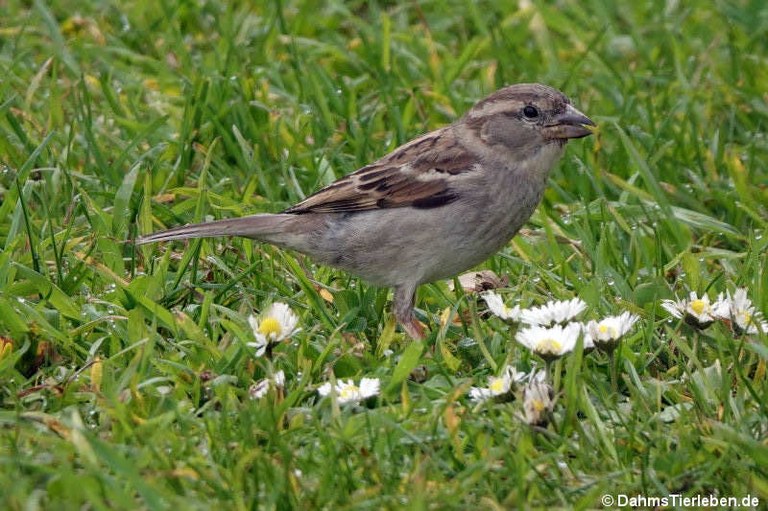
{"x": 530, "y": 112}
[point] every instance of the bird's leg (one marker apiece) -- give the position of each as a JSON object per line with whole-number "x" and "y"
{"x": 403, "y": 306}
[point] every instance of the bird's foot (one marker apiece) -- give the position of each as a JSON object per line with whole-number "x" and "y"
{"x": 403, "y": 308}
{"x": 414, "y": 328}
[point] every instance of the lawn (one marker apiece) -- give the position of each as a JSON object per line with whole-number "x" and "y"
{"x": 128, "y": 374}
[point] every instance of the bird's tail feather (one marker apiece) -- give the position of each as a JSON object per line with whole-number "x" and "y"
{"x": 256, "y": 226}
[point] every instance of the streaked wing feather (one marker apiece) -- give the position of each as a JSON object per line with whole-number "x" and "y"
{"x": 416, "y": 174}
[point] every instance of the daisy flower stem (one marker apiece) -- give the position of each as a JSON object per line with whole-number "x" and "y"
{"x": 480, "y": 337}
{"x": 693, "y": 361}
{"x": 486, "y": 353}
{"x": 614, "y": 372}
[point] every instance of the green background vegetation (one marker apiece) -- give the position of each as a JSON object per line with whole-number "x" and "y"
{"x": 124, "y": 376}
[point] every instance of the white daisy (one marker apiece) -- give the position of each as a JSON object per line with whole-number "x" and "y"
{"x": 721, "y": 309}
{"x": 696, "y": 311}
{"x": 279, "y": 379}
{"x": 499, "y": 308}
{"x": 498, "y": 386}
{"x": 744, "y": 318}
{"x": 589, "y": 344}
{"x": 538, "y": 401}
{"x": 259, "y": 389}
{"x": 553, "y": 312}
{"x": 348, "y": 392}
{"x": 605, "y": 334}
{"x": 277, "y": 324}
{"x": 550, "y": 342}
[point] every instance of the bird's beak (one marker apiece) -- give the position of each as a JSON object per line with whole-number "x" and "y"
{"x": 569, "y": 124}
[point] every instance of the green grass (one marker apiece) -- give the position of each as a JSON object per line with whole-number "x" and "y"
{"x": 125, "y": 372}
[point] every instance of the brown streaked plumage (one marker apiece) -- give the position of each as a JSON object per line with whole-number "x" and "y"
{"x": 415, "y": 174}
{"x": 433, "y": 207}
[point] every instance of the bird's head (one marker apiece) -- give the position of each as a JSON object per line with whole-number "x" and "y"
{"x": 527, "y": 116}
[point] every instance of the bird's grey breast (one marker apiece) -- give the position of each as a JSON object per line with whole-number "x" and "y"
{"x": 512, "y": 191}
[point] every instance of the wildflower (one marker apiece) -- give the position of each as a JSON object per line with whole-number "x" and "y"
{"x": 348, "y": 392}
{"x": 538, "y": 401}
{"x": 697, "y": 312}
{"x": 742, "y": 314}
{"x": 553, "y": 312}
{"x": 550, "y": 342}
{"x": 498, "y": 387}
{"x": 721, "y": 309}
{"x": 499, "y": 308}
{"x": 277, "y": 324}
{"x": 259, "y": 389}
{"x": 279, "y": 379}
{"x": 606, "y": 333}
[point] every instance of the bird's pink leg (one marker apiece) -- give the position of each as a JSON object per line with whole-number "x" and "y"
{"x": 403, "y": 306}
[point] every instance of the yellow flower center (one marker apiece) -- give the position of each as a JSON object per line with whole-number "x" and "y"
{"x": 538, "y": 404}
{"x": 743, "y": 319}
{"x": 269, "y": 327}
{"x": 698, "y": 306}
{"x": 349, "y": 391}
{"x": 549, "y": 346}
{"x": 497, "y": 385}
{"x": 605, "y": 329}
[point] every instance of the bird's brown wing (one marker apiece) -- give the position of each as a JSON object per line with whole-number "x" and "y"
{"x": 416, "y": 174}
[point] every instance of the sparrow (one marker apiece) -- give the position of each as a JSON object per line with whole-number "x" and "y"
{"x": 432, "y": 208}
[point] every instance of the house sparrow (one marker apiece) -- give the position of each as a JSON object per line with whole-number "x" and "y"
{"x": 432, "y": 208}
